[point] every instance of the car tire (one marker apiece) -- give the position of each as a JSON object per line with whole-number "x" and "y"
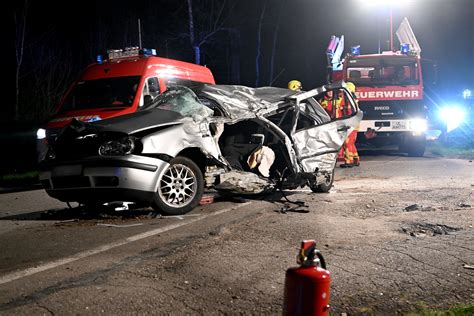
{"x": 414, "y": 146}
{"x": 323, "y": 187}
{"x": 180, "y": 188}
{"x": 417, "y": 149}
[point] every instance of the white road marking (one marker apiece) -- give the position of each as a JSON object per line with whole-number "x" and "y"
{"x": 56, "y": 263}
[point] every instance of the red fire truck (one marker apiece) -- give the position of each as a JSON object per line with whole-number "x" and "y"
{"x": 123, "y": 83}
{"x": 389, "y": 87}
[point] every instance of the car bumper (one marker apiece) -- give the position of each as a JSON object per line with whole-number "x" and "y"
{"x": 129, "y": 178}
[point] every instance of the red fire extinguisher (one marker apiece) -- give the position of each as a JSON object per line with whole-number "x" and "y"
{"x": 307, "y": 286}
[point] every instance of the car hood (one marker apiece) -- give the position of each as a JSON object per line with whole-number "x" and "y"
{"x": 244, "y": 102}
{"x": 139, "y": 121}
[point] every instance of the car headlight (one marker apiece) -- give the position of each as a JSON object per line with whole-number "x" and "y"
{"x": 41, "y": 133}
{"x": 117, "y": 147}
{"x": 418, "y": 126}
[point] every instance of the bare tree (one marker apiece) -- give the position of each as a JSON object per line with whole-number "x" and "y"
{"x": 259, "y": 44}
{"x": 211, "y": 23}
{"x": 234, "y": 56}
{"x": 271, "y": 78}
{"x": 49, "y": 80}
{"x": 192, "y": 38}
{"x": 20, "y": 31}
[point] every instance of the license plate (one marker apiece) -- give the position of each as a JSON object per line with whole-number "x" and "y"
{"x": 72, "y": 170}
{"x": 399, "y": 125}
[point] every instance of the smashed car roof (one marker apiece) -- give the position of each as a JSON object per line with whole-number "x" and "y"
{"x": 239, "y": 100}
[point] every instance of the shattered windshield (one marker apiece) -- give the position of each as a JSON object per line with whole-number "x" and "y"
{"x": 102, "y": 93}
{"x": 182, "y": 100}
{"x": 378, "y": 71}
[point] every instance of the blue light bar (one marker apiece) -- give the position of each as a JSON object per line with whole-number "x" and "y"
{"x": 149, "y": 52}
{"x": 99, "y": 59}
{"x": 355, "y": 50}
{"x": 405, "y": 49}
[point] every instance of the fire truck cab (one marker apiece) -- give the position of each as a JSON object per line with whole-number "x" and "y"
{"x": 389, "y": 88}
{"x": 123, "y": 83}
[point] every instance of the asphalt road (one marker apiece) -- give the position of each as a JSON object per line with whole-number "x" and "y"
{"x": 397, "y": 233}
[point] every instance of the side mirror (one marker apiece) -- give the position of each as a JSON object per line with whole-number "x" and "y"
{"x": 147, "y": 99}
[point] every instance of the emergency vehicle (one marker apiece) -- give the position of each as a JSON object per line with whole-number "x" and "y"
{"x": 126, "y": 81}
{"x": 389, "y": 87}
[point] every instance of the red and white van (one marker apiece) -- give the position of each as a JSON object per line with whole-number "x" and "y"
{"x": 128, "y": 80}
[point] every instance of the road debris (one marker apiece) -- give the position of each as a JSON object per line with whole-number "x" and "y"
{"x": 206, "y": 199}
{"x": 428, "y": 209}
{"x": 287, "y": 207}
{"x": 154, "y": 215}
{"x": 467, "y": 266}
{"x": 411, "y": 208}
{"x": 66, "y": 221}
{"x": 120, "y": 226}
{"x": 416, "y": 207}
{"x": 426, "y": 229}
{"x": 180, "y": 217}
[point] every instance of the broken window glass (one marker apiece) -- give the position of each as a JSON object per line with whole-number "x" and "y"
{"x": 183, "y": 101}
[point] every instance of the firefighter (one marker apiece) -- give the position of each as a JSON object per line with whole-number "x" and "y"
{"x": 335, "y": 107}
{"x": 295, "y": 85}
{"x": 349, "y": 150}
{"x": 338, "y": 108}
{"x": 330, "y": 104}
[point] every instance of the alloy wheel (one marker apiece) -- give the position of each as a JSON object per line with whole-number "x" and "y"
{"x": 178, "y": 186}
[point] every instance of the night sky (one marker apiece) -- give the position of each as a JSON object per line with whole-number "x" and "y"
{"x": 77, "y": 31}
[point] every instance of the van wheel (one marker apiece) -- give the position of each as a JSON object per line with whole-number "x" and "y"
{"x": 325, "y": 186}
{"x": 180, "y": 188}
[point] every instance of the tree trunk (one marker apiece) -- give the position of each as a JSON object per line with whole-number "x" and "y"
{"x": 275, "y": 39}
{"x": 20, "y": 28}
{"x": 192, "y": 38}
{"x": 197, "y": 54}
{"x": 235, "y": 57}
{"x": 259, "y": 40}
{"x": 17, "y": 94}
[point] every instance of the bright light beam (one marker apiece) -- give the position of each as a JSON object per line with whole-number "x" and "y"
{"x": 383, "y": 2}
{"x": 452, "y": 116}
{"x": 390, "y": 4}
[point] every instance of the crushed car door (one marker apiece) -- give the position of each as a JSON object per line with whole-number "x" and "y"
{"x": 318, "y": 135}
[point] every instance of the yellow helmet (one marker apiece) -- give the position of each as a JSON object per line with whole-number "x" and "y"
{"x": 294, "y": 85}
{"x": 351, "y": 87}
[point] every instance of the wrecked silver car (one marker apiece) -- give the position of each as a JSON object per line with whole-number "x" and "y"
{"x": 233, "y": 139}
